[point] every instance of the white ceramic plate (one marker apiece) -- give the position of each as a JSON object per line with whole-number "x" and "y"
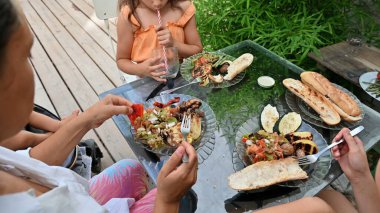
{"x": 369, "y": 77}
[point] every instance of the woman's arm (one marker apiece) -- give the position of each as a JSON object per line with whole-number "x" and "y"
{"x": 24, "y": 140}
{"x": 366, "y": 194}
{"x": 57, "y": 147}
{"x": 352, "y": 159}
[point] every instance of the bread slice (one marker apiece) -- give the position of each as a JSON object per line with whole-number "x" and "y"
{"x": 266, "y": 173}
{"x": 322, "y": 85}
{"x": 345, "y": 116}
{"x": 314, "y": 99}
{"x": 238, "y": 66}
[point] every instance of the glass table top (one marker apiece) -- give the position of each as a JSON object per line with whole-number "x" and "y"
{"x": 233, "y": 106}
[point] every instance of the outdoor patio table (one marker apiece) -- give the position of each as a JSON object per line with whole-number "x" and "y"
{"x": 216, "y": 160}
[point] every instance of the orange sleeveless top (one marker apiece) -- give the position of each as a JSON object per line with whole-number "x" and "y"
{"x": 145, "y": 40}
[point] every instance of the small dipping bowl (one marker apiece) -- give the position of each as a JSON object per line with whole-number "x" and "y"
{"x": 265, "y": 81}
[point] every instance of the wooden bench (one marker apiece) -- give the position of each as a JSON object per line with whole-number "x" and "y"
{"x": 348, "y": 60}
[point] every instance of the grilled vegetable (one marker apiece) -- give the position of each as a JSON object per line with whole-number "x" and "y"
{"x": 308, "y": 146}
{"x": 295, "y": 136}
{"x": 374, "y": 88}
{"x": 290, "y": 123}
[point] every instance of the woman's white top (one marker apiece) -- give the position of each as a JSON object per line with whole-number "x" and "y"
{"x": 69, "y": 191}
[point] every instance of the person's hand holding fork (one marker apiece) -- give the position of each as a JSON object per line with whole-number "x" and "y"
{"x": 176, "y": 178}
{"x": 352, "y": 159}
{"x": 351, "y": 156}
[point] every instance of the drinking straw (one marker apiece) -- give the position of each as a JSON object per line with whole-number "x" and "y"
{"x": 163, "y": 47}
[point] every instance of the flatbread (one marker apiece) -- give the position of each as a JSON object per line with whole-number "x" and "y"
{"x": 266, "y": 173}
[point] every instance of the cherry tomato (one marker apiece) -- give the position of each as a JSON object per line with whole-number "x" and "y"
{"x": 244, "y": 140}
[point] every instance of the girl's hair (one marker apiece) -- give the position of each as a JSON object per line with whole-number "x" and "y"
{"x": 132, "y": 4}
{"x": 9, "y": 21}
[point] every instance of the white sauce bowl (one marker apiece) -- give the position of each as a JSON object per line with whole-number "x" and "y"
{"x": 265, "y": 81}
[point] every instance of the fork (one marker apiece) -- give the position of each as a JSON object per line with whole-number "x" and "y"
{"x": 185, "y": 129}
{"x": 309, "y": 159}
{"x": 196, "y": 80}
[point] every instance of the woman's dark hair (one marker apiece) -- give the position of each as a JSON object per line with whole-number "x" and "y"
{"x": 133, "y": 5}
{"x": 9, "y": 21}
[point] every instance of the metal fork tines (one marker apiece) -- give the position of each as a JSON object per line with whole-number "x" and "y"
{"x": 185, "y": 130}
{"x": 309, "y": 159}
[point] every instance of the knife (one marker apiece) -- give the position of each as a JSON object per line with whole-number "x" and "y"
{"x": 155, "y": 91}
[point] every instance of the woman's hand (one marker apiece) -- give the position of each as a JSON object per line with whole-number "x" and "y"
{"x": 351, "y": 156}
{"x": 164, "y": 36}
{"x": 150, "y": 67}
{"x": 176, "y": 178}
{"x": 106, "y": 108}
{"x": 69, "y": 118}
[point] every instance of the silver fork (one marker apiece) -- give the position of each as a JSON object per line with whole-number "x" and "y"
{"x": 309, "y": 159}
{"x": 185, "y": 129}
{"x": 196, "y": 80}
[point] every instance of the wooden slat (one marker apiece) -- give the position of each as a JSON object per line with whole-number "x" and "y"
{"x": 91, "y": 28}
{"x": 40, "y": 96}
{"x": 77, "y": 84}
{"x": 90, "y": 12}
{"x": 104, "y": 63}
{"x": 90, "y": 3}
{"x": 101, "y": 38}
{"x": 96, "y": 78}
{"x": 60, "y": 95}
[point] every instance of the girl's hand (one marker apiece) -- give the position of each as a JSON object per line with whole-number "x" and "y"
{"x": 150, "y": 67}
{"x": 351, "y": 156}
{"x": 164, "y": 37}
{"x": 106, "y": 108}
{"x": 176, "y": 178}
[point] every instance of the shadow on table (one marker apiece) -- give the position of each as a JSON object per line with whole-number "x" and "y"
{"x": 253, "y": 200}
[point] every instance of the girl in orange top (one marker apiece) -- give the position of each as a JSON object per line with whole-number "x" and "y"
{"x": 139, "y": 34}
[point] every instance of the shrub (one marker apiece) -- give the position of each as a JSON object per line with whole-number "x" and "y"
{"x": 287, "y": 27}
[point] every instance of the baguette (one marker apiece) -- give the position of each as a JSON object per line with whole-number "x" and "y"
{"x": 315, "y": 100}
{"x": 266, "y": 173}
{"x": 345, "y": 116}
{"x": 341, "y": 99}
{"x": 238, "y": 66}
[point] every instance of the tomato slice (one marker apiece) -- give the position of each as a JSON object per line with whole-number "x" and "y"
{"x": 138, "y": 111}
{"x": 378, "y": 76}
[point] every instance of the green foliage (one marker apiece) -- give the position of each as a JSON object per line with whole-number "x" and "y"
{"x": 289, "y": 28}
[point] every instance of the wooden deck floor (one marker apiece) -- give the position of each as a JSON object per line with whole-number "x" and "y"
{"x": 73, "y": 63}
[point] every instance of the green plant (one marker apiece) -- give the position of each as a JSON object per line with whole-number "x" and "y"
{"x": 289, "y": 28}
